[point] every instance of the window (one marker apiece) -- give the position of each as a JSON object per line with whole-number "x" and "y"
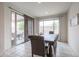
{"x": 48, "y": 25}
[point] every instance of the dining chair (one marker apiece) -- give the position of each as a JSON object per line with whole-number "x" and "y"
{"x": 51, "y": 32}
{"x": 38, "y": 46}
{"x": 54, "y": 44}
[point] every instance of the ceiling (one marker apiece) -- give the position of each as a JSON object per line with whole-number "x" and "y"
{"x": 36, "y": 9}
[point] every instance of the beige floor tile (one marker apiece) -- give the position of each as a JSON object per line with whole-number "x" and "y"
{"x": 24, "y": 50}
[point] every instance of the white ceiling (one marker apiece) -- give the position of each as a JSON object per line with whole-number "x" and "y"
{"x": 42, "y": 9}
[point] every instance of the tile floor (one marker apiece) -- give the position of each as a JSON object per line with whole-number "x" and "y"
{"x": 24, "y": 50}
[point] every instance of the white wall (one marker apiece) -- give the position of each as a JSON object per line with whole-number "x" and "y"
{"x": 7, "y": 30}
{"x": 36, "y": 26}
{"x": 73, "y": 32}
{"x": 63, "y": 28}
{"x": 5, "y": 27}
{"x": 1, "y": 27}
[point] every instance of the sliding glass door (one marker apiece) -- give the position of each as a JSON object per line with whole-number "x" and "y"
{"x": 45, "y": 26}
{"x": 17, "y": 29}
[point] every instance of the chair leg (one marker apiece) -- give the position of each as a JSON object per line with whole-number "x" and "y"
{"x": 46, "y": 50}
{"x": 43, "y": 55}
{"x": 50, "y": 51}
{"x": 32, "y": 54}
{"x": 55, "y": 46}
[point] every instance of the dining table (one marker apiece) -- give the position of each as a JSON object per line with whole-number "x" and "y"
{"x": 51, "y": 39}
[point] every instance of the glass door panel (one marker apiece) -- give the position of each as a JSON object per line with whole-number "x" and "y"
{"x": 48, "y": 26}
{"x": 56, "y": 26}
{"x": 30, "y": 27}
{"x": 19, "y": 29}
